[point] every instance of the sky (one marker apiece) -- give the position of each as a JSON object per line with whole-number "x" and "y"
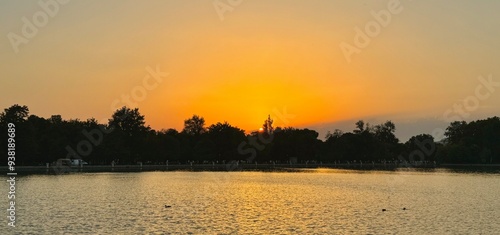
{"x": 316, "y": 64}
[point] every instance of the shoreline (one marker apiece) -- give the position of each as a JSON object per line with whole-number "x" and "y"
{"x": 247, "y": 167}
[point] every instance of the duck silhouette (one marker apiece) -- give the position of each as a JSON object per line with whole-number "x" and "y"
{"x": 383, "y": 209}
{"x": 166, "y": 206}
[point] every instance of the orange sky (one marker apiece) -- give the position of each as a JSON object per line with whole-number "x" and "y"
{"x": 263, "y": 56}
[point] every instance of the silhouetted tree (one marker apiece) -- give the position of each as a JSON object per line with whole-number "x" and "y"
{"x": 225, "y": 139}
{"x": 267, "y": 127}
{"x": 425, "y": 146}
{"x": 290, "y": 144}
{"x": 194, "y": 126}
{"x": 385, "y": 133}
{"x": 129, "y": 121}
{"x": 14, "y": 114}
{"x": 474, "y": 142}
{"x": 128, "y": 137}
{"x": 129, "y": 140}
{"x": 360, "y": 125}
{"x": 455, "y": 132}
{"x": 25, "y": 142}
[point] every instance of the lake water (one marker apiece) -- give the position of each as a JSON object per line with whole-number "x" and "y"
{"x": 320, "y": 201}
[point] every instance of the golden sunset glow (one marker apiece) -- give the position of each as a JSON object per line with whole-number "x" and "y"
{"x": 262, "y": 57}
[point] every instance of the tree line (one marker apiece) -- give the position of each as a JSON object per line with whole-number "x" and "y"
{"x": 126, "y": 139}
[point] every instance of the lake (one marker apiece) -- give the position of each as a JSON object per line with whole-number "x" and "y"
{"x": 309, "y": 201}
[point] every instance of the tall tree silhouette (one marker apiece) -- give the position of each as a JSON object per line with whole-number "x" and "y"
{"x": 129, "y": 121}
{"x": 25, "y": 141}
{"x": 194, "y": 126}
{"x": 129, "y": 135}
{"x": 267, "y": 127}
{"x": 360, "y": 125}
{"x": 385, "y": 132}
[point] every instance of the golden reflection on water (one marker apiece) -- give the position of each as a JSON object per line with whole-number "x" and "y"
{"x": 319, "y": 201}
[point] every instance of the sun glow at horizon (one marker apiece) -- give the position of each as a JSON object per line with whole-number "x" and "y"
{"x": 263, "y": 58}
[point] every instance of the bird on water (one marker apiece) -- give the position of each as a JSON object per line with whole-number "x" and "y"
{"x": 167, "y": 206}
